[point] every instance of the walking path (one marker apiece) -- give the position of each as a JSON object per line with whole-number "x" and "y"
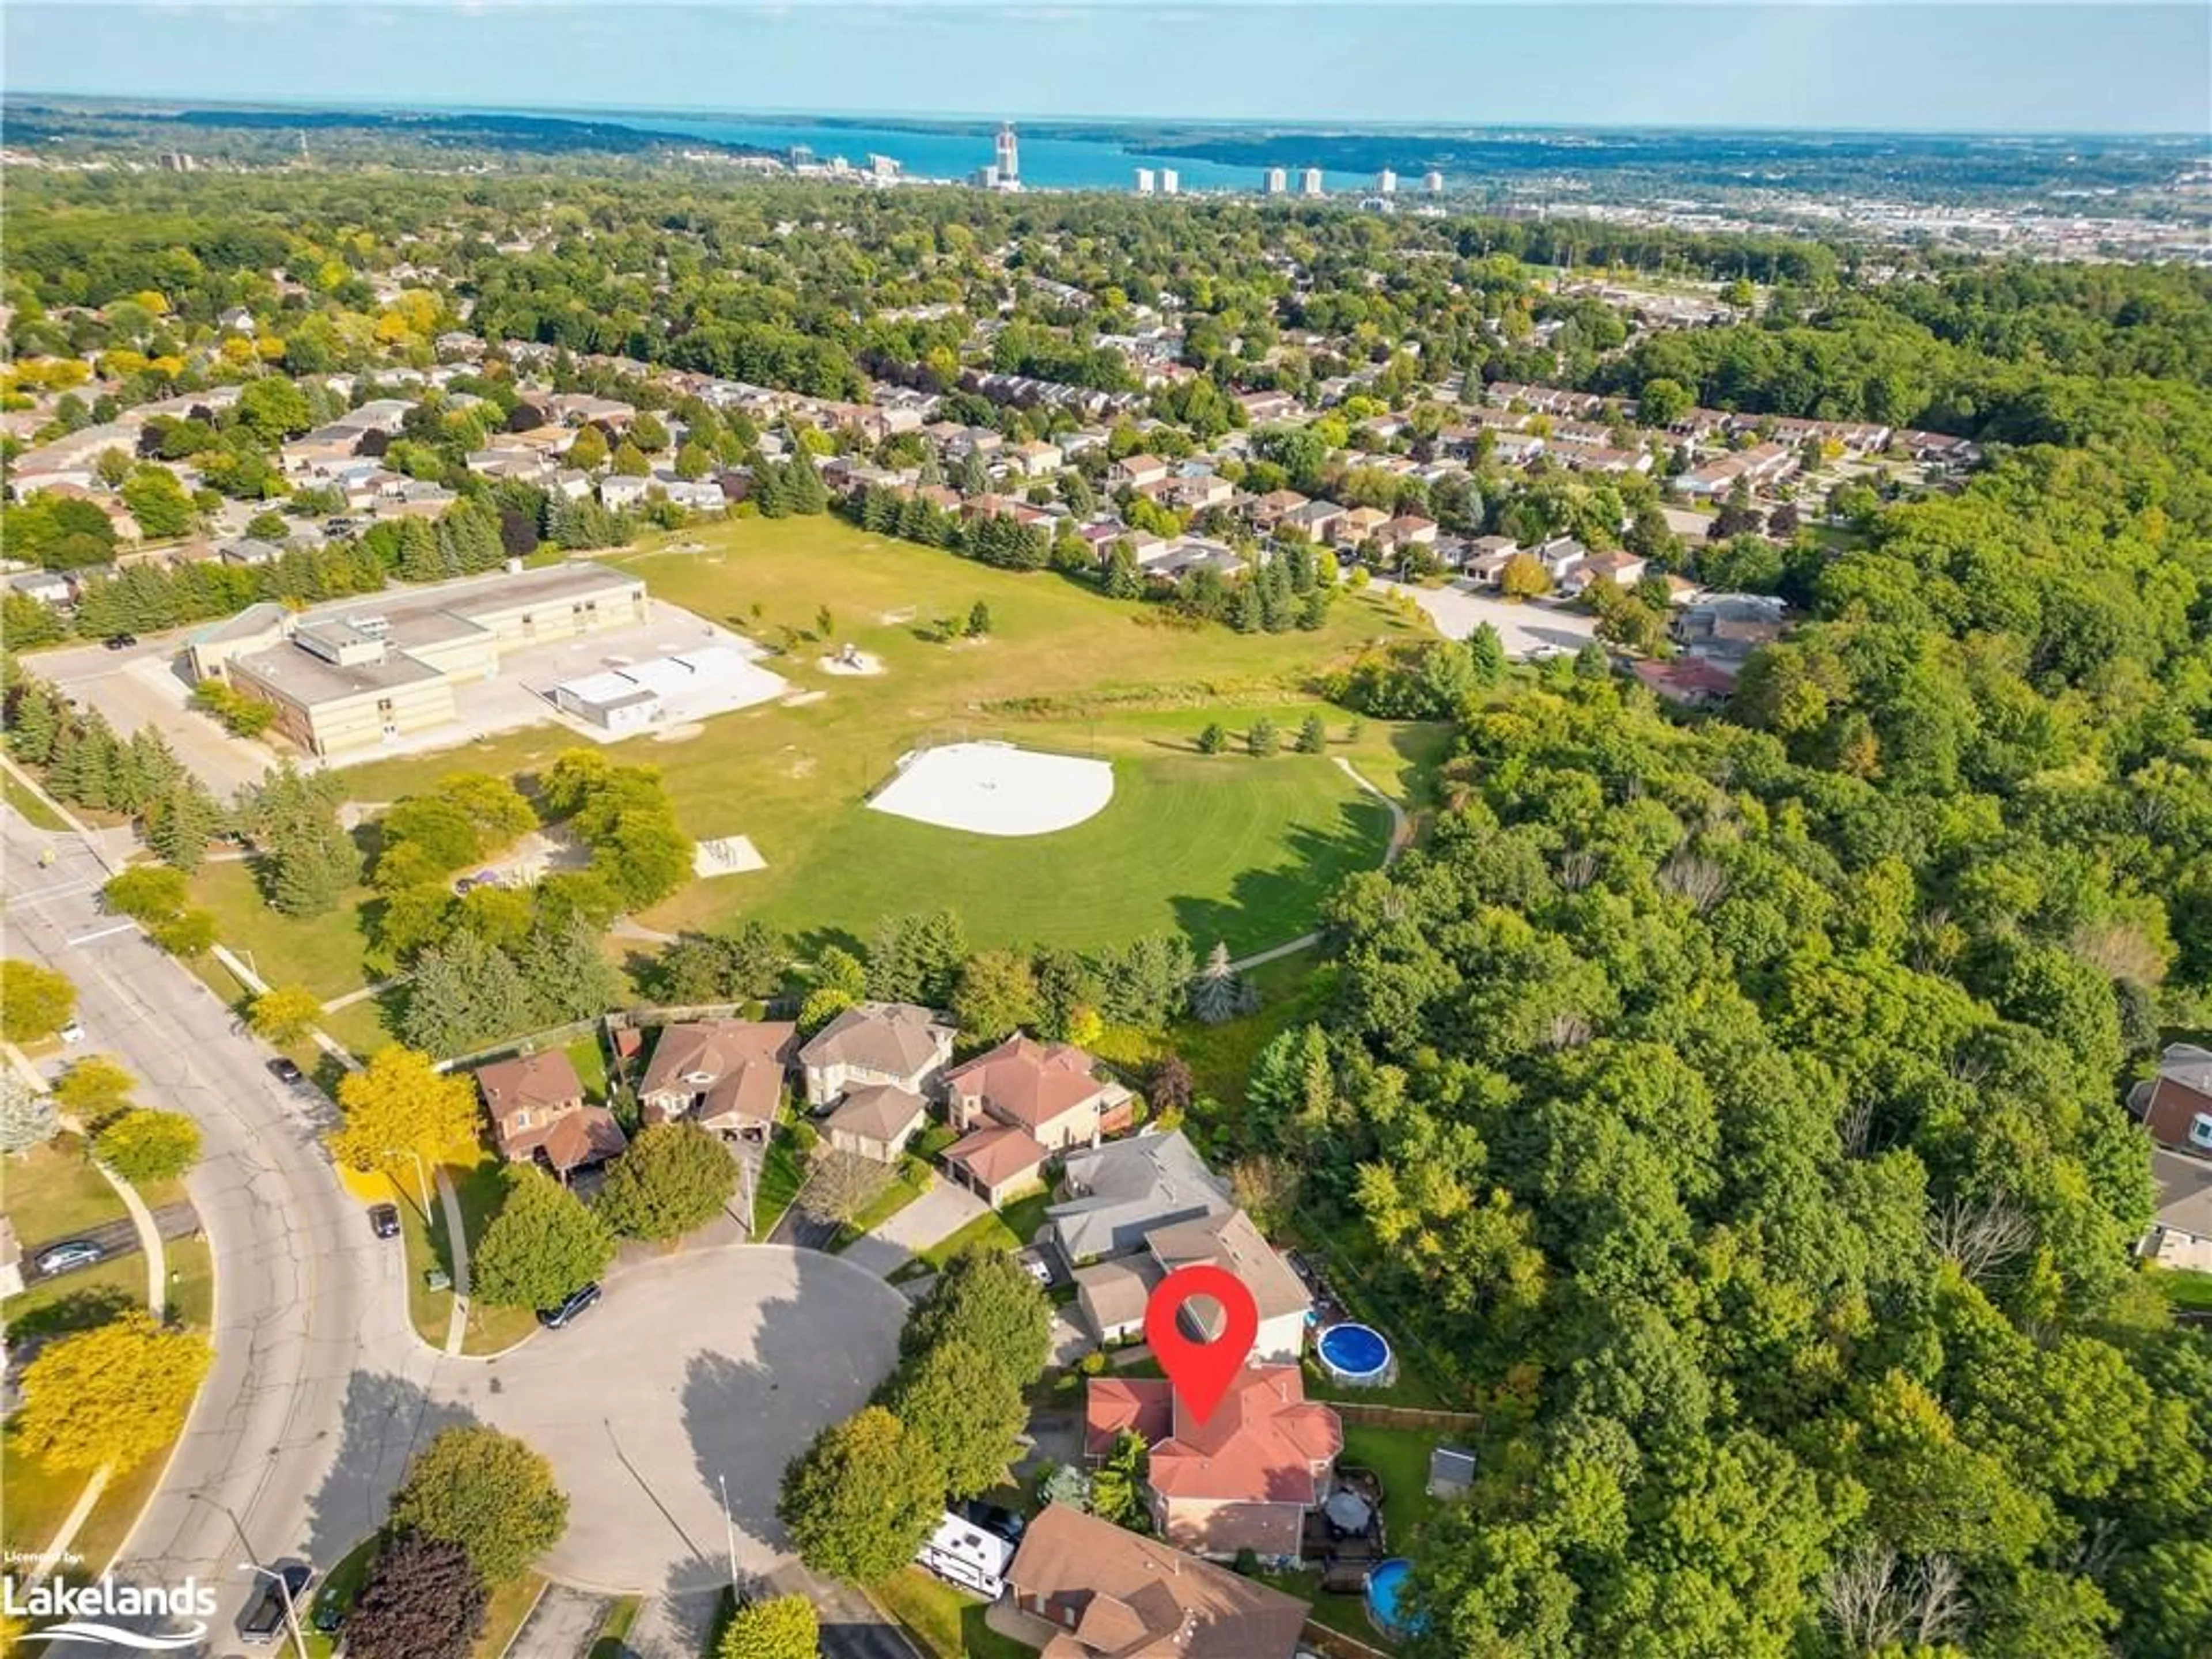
{"x": 1401, "y": 836}
{"x": 457, "y": 1246}
{"x": 149, "y": 1241}
{"x": 365, "y": 993}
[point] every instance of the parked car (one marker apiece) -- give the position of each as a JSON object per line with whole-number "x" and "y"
{"x": 384, "y": 1220}
{"x": 1038, "y": 1269}
{"x": 554, "y": 1319}
{"x": 467, "y": 884}
{"x": 286, "y": 1071}
{"x": 121, "y": 641}
{"x": 73, "y": 1032}
{"x": 995, "y": 1518}
{"x": 267, "y": 1619}
{"x": 69, "y": 1255}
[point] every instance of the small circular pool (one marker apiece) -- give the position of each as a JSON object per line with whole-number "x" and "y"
{"x": 1385, "y": 1586}
{"x": 1357, "y": 1355}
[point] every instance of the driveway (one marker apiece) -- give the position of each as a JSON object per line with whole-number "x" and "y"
{"x": 1526, "y": 627}
{"x": 712, "y": 1367}
{"x": 938, "y": 1213}
{"x": 563, "y": 1625}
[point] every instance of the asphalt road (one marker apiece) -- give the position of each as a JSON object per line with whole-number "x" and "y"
{"x": 696, "y": 1373}
{"x": 318, "y": 1387}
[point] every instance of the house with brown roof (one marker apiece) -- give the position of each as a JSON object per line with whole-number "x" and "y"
{"x": 539, "y": 1113}
{"x": 1019, "y": 1103}
{"x": 725, "y": 1075}
{"x": 2176, "y": 1105}
{"x": 1109, "y": 1593}
{"x": 894, "y": 1043}
{"x": 876, "y": 1121}
{"x": 1244, "y": 1478}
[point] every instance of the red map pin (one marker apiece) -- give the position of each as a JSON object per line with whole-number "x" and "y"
{"x": 1200, "y": 1371}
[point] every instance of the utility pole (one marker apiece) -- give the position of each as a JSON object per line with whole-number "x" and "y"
{"x": 729, "y": 1531}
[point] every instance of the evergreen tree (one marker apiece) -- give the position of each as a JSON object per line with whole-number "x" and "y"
{"x": 465, "y": 994}
{"x": 307, "y": 859}
{"x": 566, "y": 976}
{"x": 807, "y": 493}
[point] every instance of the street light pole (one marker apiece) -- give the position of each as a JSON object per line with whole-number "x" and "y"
{"x": 729, "y": 1530}
{"x": 422, "y": 1180}
{"x": 291, "y": 1607}
{"x": 252, "y": 1564}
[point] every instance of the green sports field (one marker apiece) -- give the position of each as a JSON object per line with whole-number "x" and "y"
{"x": 1221, "y": 847}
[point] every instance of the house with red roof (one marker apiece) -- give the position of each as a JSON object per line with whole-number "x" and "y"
{"x": 1244, "y": 1478}
{"x": 1019, "y": 1103}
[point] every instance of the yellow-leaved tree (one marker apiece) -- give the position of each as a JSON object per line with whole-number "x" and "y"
{"x": 401, "y": 1103}
{"x": 114, "y": 1394}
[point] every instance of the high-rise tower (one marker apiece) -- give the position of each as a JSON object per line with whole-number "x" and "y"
{"x": 1008, "y": 153}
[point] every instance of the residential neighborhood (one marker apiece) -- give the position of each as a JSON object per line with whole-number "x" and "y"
{"x": 905, "y": 882}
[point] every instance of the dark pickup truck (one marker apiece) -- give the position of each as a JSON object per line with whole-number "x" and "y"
{"x": 265, "y": 1619}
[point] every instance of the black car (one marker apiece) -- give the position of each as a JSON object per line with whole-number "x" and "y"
{"x": 73, "y": 1253}
{"x": 270, "y": 1617}
{"x": 554, "y": 1318}
{"x": 994, "y": 1518}
{"x": 121, "y": 641}
{"x": 285, "y": 1070}
{"x": 384, "y": 1220}
{"x": 330, "y": 1615}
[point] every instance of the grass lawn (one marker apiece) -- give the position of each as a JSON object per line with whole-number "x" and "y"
{"x": 53, "y": 1194}
{"x": 322, "y": 953}
{"x": 481, "y": 1188}
{"x": 1007, "y": 1229}
{"x": 425, "y": 1241}
{"x": 1292, "y": 989}
{"x": 510, "y": 1605}
{"x": 908, "y": 1182}
{"x": 340, "y": 1584}
{"x": 1401, "y": 1456}
{"x": 39, "y": 1500}
{"x": 945, "y": 1623}
{"x": 610, "y": 1643}
{"x": 2185, "y": 1289}
{"x": 1223, "y": 847}
{"x": 590, "y": 1060}
{"x": 783, "y": 1171}
{"x": 30, "y": 804}
{"x": 1347, "y": 1613}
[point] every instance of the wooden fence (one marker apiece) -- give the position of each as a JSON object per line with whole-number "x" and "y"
{"x": 1335, "y": 1644}
{"x": 1376, "y": 1415}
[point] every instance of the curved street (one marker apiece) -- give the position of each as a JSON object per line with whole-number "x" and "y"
{"x": 307, "y": 1417}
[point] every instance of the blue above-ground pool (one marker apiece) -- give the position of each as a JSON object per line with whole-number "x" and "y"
{"x": 1355, "y": 1354}
{"x": 1384, "y": 1585}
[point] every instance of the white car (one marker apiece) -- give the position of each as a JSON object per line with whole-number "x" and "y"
{"x": 73, "y": 1033}
{"x": 1037, "y": 1270}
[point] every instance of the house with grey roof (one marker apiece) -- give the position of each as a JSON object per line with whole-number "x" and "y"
{"x": 1117, "y": 1194}
{"x": 2180, "y": 1232}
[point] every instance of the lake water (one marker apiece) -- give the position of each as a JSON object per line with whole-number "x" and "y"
{"x": 1047, "y": 163}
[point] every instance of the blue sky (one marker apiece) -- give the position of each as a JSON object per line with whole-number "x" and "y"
{"x": 2018, "y": 66}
